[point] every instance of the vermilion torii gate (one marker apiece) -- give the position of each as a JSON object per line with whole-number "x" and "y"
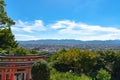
{"x": 17, "y": 67}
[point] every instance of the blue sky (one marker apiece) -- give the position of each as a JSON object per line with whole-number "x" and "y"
{"x": 65, "y": 19}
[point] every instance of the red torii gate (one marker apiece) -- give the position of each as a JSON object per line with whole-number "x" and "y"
{"x": 17, "y": 67}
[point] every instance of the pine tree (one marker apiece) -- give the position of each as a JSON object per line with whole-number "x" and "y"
{"x": 7, "y": 39}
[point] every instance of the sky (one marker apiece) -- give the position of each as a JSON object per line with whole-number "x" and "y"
{"x": 65, "y": 19}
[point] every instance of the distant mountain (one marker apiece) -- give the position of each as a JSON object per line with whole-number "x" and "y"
{"x": 51, "y": 46}
{"x": 50, "y": 41}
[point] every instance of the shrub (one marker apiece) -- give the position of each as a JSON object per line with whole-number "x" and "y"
{"x": 56, "y": 75}
{"x": 40, "y": 70}
{"x": 21, "y": 52}
{"x": 103, "y": 75}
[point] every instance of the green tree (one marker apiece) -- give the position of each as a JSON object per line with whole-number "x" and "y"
{"x": 116, "y": 67}
{"x": 7, "y": 39}
{"x": 40, "y": 70}
{"x": 20, "y": 52}
{"x": 56, "y": 55}
{"x": 2, "y": 52}
{"x": 76, "y": 60}
{"x": 35, "y": 52}
{"x": 5, "y": 21}
{"x": 103, "y": 75}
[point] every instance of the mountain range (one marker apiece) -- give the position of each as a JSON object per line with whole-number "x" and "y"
{"x": 70, "y": 41}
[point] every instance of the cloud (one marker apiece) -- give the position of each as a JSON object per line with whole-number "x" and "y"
{"x": 64, "y": 29}
{"x": 25, "y": 37}
{"x": 37, "y": 25}
{"x": 85, "y": 31}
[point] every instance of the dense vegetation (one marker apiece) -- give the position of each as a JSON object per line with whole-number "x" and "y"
{"x": 97, "y": 64}
{"x": 7, "y": 39}
{"x": 40, "y": 70}
{"x": 56, "y": 75}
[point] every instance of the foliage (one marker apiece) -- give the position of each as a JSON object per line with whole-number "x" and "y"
{"x": 7, "y": 39}
{"x": 34, "y": 52}
{"x": 5, "y": 21}
{"x": 103, "y": 75}
{"x": 76, "y": 60}
{"x": 88, "y": 62}
{"x": 20, "y": 52}
{"x": 2, "y": 52}
{"x": 56, "y": 55}
{"x": 40, "y": 70}
{"x": 61, "y": 67}
{"x": 116, "y": 67}
{"x": 55, "y": 75}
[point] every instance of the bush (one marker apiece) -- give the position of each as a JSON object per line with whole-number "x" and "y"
{"x": 61, "y": 67}
{"x": 76, "y": 60}
{"x": 103, "y": 75}
{"x": 116, "y": 68}
{"x": 21, "y": 52}
{"x": 56, "y": 75}
{"x": 40, "y": 70}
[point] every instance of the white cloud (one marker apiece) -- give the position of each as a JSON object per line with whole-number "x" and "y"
{"x": 101, "y": 37}
{"x": 63, "y": 24}
{"x": 64, "y": 29}
{"x": 25, "y": 37}
{"x": 85, "y": 31}
{"x": 37, "y": 25}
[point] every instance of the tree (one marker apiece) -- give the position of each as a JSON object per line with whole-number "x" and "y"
{"x": 76, "y": 60}
{"x": 5, "y": 21}
{"x": 40, "y": 70}
{"x": 20, "y": 52}
{"x": 7, "y": 39}
{"x": 56, "y": 55}
{"x": 103, "y": 75}
{"x": 116, "y": 67}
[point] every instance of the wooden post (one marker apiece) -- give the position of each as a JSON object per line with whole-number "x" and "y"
{"x": 28, "y": 71}
{"x": 9, "y": 75}
{"x": 12, "y": 74}
{"x": 3, "y": 75}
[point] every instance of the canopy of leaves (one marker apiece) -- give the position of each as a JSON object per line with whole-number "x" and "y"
{"x": 76, "y": 60}
{"x": 40, "y": 70}
{"x": 88, "y": 62}
{"x": 103, "y": 75}
{"x": 5, "y": 21}
{"x": 7, "y": 39}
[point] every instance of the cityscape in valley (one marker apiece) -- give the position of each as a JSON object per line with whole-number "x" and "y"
{"x": 52, "y": 46}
